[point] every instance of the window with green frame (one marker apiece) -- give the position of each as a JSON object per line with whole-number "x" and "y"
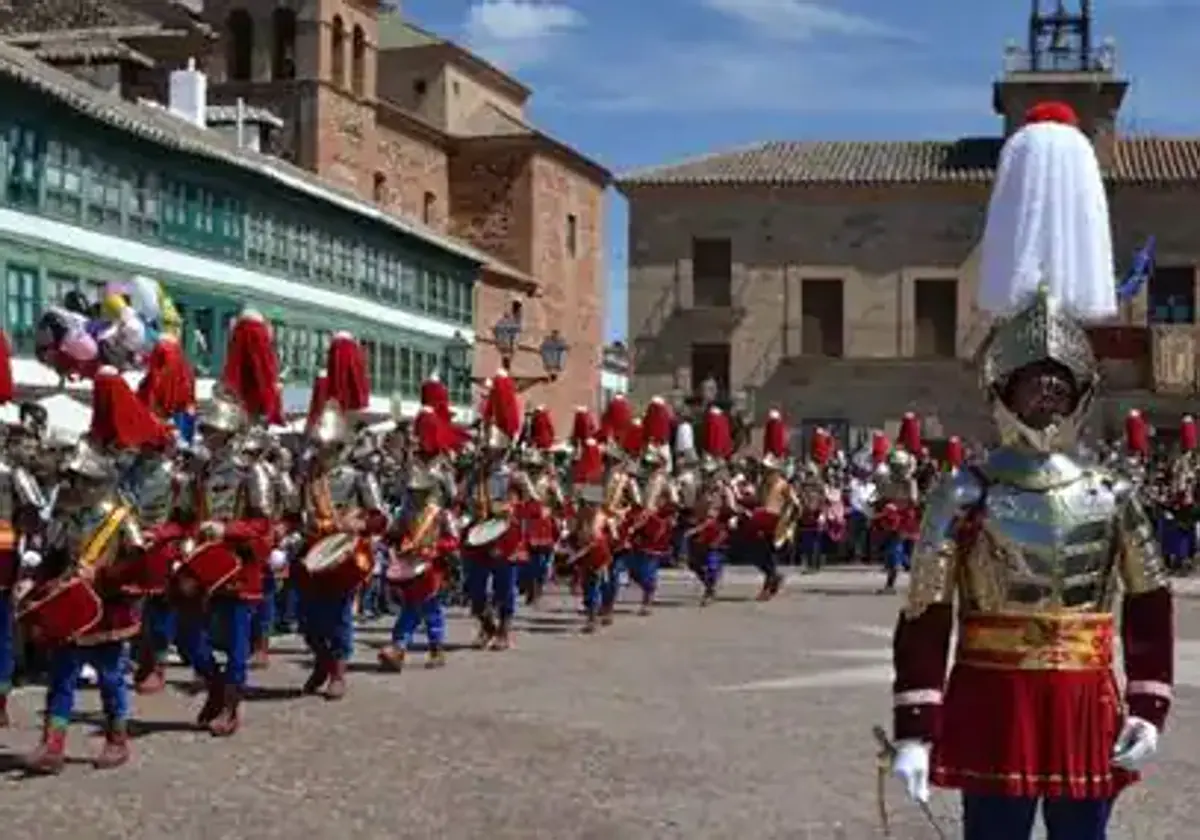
{"x": 64, "y": 180}
{"x": 77, "y": 179}
{"x": 22, "y": 304}
{"x": 57, "y": 284}
{"x": 105, "y": 187}
{"x": 24, "y": 165}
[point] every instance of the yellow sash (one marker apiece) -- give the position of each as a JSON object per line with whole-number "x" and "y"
{"x": 99, "y": 540}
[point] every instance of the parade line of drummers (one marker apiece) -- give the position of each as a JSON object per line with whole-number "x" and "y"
{"x": 134, "y": 541}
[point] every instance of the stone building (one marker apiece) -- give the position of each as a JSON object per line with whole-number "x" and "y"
{"x": 836, "y": 279}
{"x": 414, "y": 124}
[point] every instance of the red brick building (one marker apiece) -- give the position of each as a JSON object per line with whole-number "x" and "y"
{"x": 399, "y": 116}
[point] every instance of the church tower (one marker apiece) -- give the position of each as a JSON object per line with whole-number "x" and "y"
{"x": 1062, "y": 62}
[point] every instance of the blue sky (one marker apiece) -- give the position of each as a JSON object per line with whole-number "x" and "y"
{"x": 639, "y": 83}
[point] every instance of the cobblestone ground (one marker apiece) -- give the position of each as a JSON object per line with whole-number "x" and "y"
{"x": 741, "y": 720}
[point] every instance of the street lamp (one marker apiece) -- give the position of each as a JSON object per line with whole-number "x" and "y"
{"x": 507, "y": 333}
{"x": 554, "y": 354}
{"x": 457, "y": 353}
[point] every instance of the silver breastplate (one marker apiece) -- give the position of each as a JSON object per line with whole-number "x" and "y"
{"x": 498, "y": 484}
{"x": 156, "y": 494}
{"x": 1046, "y": 550}
{"x": 343, "y": 488}
{"x": 222, "y": 483}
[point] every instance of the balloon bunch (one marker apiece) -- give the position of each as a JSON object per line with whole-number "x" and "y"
{"x": 80, "y": 336}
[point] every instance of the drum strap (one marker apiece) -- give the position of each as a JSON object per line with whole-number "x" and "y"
{"x": 94, "y": 548}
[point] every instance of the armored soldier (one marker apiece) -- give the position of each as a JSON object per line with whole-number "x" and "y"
{"x": 93, "y": 543}
{"x": 230, "y": 502}
{"x": 1037, "y": 549}
{"x": 542, "y": 511}
{"x": 22, "y": 506}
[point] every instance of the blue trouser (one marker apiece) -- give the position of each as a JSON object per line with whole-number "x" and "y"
{"x": 809, "y": 547}
{"x": 610, "y": 588}
{"x": 66, "y": 663}
{"x": 1178, "y": 540}
{"x": 431, "y": 613}
{"x": 159, "y": 626}
{"x": 493, "y": 584}
{"x": 643, "y": 570}
{"x": 329, "y": 626}
{"x": 895, "y": 556}
{"x": 230, "y": 619}
{"x": 1012, "y": 818}
{"x": 705, "y": 563}
{"x": 8, "y": 652}
{"x": 287, "y": 604}
{"x": 594, "y": 586}
{"x": 262, "y": 625}
{"x": 537, "y": 570}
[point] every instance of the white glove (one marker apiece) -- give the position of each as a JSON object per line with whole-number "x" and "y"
{"x": 1135, "y": 745}
{"x": 911, "y": 766}
{"x": 278, "y": 560}
{"x": 31, "y": 560}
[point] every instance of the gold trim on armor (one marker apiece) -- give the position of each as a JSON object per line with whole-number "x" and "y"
{"x": 1046, "y": 642}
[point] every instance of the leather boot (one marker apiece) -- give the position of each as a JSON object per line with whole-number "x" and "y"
{"x": 647, "y": 604}
{"x": 503, "y": 638}
{"x": 391, "y": 658}
{"x": 50, "y": 756}
{"x": 590, "y": 625}
{"x": 5, "y": 721}
{"x": 115, "y": 751}
{"x": 337, "y": 681}
{"x": 436, "y": 658}
{"x": 227, "y": 721}
{"x": 487, "y": 630}
{"x": 213, "y": 701}
{"x": 149, "y": 677}
{"x": 319, "y": 676}
{"x": 260, "y": 659}
{"x": 606, "y": 616}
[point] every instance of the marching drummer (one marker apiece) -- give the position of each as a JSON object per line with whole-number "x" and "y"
{"x": 494, "y": 540}
{"x": 339, "y": 498}
{"x": 423, "y": 543}
{"x": 88, "y": 574}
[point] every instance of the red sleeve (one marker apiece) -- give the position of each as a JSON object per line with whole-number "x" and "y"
{"x": 1148, "y": 637}
{"x": 376, "y": 523}
{"x": 920, "y": 653}
{"x": 247, "y": 530}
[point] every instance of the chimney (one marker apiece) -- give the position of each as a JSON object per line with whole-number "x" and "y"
{"x": 189, "y": 94}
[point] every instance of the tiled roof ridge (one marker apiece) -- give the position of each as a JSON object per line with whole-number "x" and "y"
{"x": 703, "y": 157}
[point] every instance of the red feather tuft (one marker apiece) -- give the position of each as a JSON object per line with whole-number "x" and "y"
{"x": 634, "y": 441}
{"x": 122, "y": 421}
{"x": 583, "y": 426}
{"x": 820, "y": 447}
{"x": 251, "y": 370}
{"x": 880, "y": 447}
{"x": 1052, "y": 112}
{"x": 541, "y": 429}
{"x": 775, "y": 436}
{"x": 589, "y": 464}
{"x": 436, "y": 395}
{"x": 316, "y": 401}
{"x": 1137, "y": 433}
{"x": 716, "y": 435}
{"x": 346, "y": 367}
{"x": 618, "y": 414}
{"x": 169, "y": 384}
{"x": 656, "y": 423}
{"x": 954, "y": 452}
{"x": 910, "y": 433}
{"x": 7, "y": 388}
{"x": 504, "y": 406}
{"x": 1188, "y": 438}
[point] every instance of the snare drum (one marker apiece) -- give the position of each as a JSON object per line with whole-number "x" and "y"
{"x": 339, "y": 563}
{"x": 59, "y": 612}
{"x": 412, "y": 578}
{"x": 494, "y": 538}
{"x": 205, "y": 570}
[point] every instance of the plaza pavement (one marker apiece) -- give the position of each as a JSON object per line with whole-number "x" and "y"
{"x": 742, "y": 720}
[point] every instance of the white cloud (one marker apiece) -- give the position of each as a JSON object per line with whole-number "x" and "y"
{"x": 519, "y": 33}
{"x": 760, "y": 76}
{"x": 801, "y": 20}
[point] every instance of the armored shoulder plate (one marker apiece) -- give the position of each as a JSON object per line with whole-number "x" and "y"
{"x": 1140, "y": 560}
{"x": 259, "y": 490}
{"x": 935, "y": 556}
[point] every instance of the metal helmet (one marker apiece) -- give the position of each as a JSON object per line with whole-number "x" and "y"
{"x": 224, "y": 414}
{"x": 89, "y": 461}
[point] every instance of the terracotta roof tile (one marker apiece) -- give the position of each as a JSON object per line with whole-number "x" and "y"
{"x": 69, "y": 51}
{"x": 967, "y": 160}
{"x": 24, "y": 16}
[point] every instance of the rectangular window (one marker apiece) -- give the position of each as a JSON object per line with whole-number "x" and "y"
{"x": 302, "y": 251}
{"x": 1171, "y": 295}
{"x": 57, "y": 285}
{"x": 711, "y": 361}
{"x": 64, "y": 181}
{"x": 408, "y": 285}
{"x": 712, "y": 273}
{"x": 572, "y": 235}
{"x": 175, "y": 212}
{"x": 144, "y": 205}
{"x": 370, "y": 280}
{"x": 322, "y": 257}
{"x": 105, "y": 188}
{"x": 407, "y": 375}
{"x": 22, "y": 305}
{"x": 823, "y": 318}
{"x": 24, "y": 165}
{"x": 277, "y": 244}
{"x": 258, "y": 239}
{"x": 936, "y": 313}
{"x": 387, "y": 367}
